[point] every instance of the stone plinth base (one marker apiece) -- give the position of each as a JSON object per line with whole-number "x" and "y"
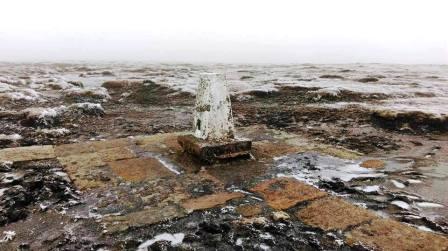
{"x": 211, "y": 152}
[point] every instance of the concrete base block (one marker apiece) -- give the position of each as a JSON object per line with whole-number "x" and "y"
{"x": 212, "y": 152}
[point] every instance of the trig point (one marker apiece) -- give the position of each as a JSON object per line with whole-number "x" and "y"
{"x": 214, "y": 134}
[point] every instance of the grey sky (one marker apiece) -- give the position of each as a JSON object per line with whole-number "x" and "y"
{"x": 250, "y": 31}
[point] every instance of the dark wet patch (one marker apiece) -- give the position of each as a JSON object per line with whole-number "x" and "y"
{"x": 364, "y": 143}
{"x": 30, "y": 183}
{"x": 368, "y": 79}
{"x": 152, "y": 93}
{"x": 330, "y": 76}
{"x": 410, "y": 122}
{"x": 222, "y": 229}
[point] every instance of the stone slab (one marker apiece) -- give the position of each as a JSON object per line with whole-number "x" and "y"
{"x": 210, "y": 152}
{"x": 239, "y": 172}
{"x": 249, "y": 210}
{"x": 116, "y": 153}
{"x": 139, "y": 169}
{"x": 145, "y": 217}
{"x": 389, "y": 235}
{"x": 160, "y": 143}
{"x": 283, "y": 193}
{"x": 268, "y": 150}
{"x": 154, "y": 139}
{"x": 27, "y": 153}
{"x": 86, "y": 170}
{"x": 73, "y": 149}
{"x": 73, "y": 163}
{"x": 332, "y": 213}
{"x": 209, "y": 201}
{"x": 373, "y": 164}
{"x": 113, "y": 143}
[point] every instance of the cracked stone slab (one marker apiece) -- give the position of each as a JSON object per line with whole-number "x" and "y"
{"x": 86, "y": 170}
{"x": 113, "y": 143}
{"x": 268, "y": 150}
{"x": 116, "y": 153}
{"x": 332, "y": 213}
{"x": 27, "y": 153}
{"x": 139, "y": 169}
{"x": 384, "y": 234}
{"x": 73, "y": 149}
{"x": 209, "y": 201}
{"x": 159, "y": 143}
{"x": 145, "y": 217}
{"x": 81, "y": 161}
{"x": 91, "y": 147}
{"x": 153, "y": 139}
{"x": 283, "y": 193}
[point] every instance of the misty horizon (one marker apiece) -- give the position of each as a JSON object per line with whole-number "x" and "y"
{"x": 262, "y": 32}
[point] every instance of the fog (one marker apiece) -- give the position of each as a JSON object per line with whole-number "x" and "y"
{"x": 230, "y": 31}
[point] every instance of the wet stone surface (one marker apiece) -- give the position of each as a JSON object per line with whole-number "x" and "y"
{"x": 130, "y": 200}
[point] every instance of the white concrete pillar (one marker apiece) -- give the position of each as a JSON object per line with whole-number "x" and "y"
{"x": 213, "y": 118}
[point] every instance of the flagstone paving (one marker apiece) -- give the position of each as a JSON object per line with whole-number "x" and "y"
{"x": 73, "y": 149}
{"x": 139, "y": 169}
{"x": 283, "y": 193}
{"x": 142, "y": 218}
{"x": 332, "y": 213}
{"x": 27, "y": 153}
{"x": 209, "y": 201}
{"x": 132, "y": 184}
{"x": 390, "y": 235}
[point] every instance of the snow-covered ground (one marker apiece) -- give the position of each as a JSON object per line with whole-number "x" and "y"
{"x": 411, "y": 87}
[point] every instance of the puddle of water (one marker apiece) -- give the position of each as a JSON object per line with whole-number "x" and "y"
{"x": 164, "y": 161}
{"x": 312, "y": 168}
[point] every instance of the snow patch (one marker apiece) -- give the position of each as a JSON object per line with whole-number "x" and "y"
{"x": 92, "y": 92}
{"x": 9, "y": 236}
{"x": 369, "y": 189}
{"x": 11, "y": 137}
{"x": 5, "y": 87}
{"x": 413, "y": 181}
{"x": 44, "y": 116}
{"x": 429, "y": 205}
{"x": 423, "y": 228}
{"x": 174, "y": 239}
{"x": 88, "y": 108}
{"x": 401, "y": 204}
{"x": 24, "y": 95}
{"x": 398, "y": 184}
{"x": 329, "y": 91}
{"x": 55, "y": 131}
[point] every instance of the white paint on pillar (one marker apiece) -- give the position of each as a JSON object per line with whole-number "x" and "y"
{"x": 213, "y": 118}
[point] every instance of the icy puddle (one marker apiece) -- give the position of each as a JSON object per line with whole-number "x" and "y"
{"x": 313, "y": 168}
{"x": 392, "y": 188}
